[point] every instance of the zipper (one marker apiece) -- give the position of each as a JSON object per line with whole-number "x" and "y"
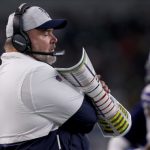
{"x": 58, "y": 141}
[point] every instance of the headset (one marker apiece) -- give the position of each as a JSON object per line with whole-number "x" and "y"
{"x": 20, "y": 39}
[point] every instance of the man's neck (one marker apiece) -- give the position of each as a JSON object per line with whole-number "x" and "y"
{"x": 10, "y": 49}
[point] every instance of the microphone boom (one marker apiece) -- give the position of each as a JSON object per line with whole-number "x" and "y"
{"x": 58, "y": 53}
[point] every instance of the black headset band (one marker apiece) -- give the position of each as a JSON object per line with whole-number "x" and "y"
{"x": 20, "y": 39}
{"x": 21, "y": 11}
{"x": 17, "y": 21}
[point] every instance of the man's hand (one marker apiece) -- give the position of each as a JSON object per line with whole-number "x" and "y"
{"x": 104, "y": 85}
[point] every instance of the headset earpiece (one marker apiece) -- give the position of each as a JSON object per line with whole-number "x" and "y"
{"x": 20, "y": 39}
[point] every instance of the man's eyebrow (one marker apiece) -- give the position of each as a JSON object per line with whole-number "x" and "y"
{"x": 46, "y": 30}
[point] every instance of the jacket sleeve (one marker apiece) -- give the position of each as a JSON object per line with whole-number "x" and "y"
{"x": 83, "y": 120}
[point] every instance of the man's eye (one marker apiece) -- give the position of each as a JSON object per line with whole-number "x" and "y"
{"x": 46, "y": 34}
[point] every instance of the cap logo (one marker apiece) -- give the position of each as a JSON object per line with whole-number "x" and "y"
{"x": 43, "y": 11}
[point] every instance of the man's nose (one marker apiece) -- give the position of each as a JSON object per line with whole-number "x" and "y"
{"x": 54, "y": 39}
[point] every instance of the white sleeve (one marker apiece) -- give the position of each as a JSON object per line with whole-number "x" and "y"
{"x": 50, "y": 95}
{"x": 146, "y": 105}
{"x": 118, "y": 143}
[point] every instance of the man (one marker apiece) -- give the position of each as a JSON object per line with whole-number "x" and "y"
{"x": 39, "y": 109}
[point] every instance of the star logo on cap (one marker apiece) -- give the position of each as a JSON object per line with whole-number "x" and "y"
{"x": 42, "y": 10}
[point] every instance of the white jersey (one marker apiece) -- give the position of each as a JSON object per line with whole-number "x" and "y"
{"x": 34, "y": 98}
{"x": 146, "y": 104}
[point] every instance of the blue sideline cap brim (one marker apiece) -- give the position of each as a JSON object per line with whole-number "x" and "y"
{"x": 53, "y": 24}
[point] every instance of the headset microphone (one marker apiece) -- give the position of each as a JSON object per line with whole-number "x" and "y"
{"x": 58, "y": 53}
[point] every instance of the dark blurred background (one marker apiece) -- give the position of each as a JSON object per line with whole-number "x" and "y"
{"x": 115, "y": 34}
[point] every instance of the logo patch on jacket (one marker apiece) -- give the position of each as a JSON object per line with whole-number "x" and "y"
{"x": 58, "y": 78}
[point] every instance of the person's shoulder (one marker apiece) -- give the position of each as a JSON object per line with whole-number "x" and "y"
{"x": 33, "y": 63}
{"x": 146, "y": 88}
{"x": 145, "y": 95}
{"x": 40, "y": 67}
{"x": 29, "y": 65}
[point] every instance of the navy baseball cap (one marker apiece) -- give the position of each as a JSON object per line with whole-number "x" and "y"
{"x": 54, "y": 24}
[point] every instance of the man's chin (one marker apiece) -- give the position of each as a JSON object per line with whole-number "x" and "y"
{"x": 51, "y": 60}
{"x": 46, "y": 58}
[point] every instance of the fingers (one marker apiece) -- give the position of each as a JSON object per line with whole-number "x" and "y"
{"x": 99, "y": 76}
{"x": 105, "y": 87}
